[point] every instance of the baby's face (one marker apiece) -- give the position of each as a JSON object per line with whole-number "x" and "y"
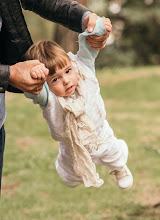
{"x": 64, "y": 81}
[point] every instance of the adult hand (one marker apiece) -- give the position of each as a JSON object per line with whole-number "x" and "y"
{"x": 96, "y": 42}
{"x": 20, "y": 77}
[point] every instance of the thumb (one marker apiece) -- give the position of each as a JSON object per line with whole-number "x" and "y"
{"x": 91, "y": 22}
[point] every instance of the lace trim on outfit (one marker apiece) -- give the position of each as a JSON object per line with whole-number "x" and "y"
{"x": 81, "y": 134}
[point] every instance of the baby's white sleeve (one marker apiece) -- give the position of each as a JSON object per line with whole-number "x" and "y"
{"x": 41, "y": 98}
{"x": 86, "y": 54}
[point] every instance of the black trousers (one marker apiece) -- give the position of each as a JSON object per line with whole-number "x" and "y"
{"x": 2, "y": 144}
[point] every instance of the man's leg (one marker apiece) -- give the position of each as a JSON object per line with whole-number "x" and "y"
{"x": 2, "y": 144}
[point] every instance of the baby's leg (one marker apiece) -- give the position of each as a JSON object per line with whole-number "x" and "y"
{"x": 113, "y": 154}
{"x": 64, "y": 167}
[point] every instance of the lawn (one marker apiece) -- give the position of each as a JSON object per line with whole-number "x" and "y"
{"x": 31, "y": 187}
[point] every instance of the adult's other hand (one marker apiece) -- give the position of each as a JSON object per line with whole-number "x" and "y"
{"x": 20, "y": 77}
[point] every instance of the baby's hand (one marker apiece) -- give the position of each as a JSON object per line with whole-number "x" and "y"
{"x": 107, "y": 24}
{"x": 99, "y": 42}
{"x": 39, "y": 72}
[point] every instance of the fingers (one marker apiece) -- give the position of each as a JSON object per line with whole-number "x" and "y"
{"x": 97, "y": 42}
{"x": 33, "y": 74}
{"x": 37, "y": 90}
{"x": 107, "y": 24}
{"x": 44, "y": 70}
{"x": 21, "y": 78}
{"x": 39, "y": 72}
{"x": 35, "y": 87}
{"x": 90, "y": 22}
{"x": 38, "y": 75}
{"x": 93, "y": 38}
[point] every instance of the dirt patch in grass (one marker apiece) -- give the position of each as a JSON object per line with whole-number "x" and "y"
{"x": 150, "y": 194}
{"x": 148, "y": 201}
{"x": 9, "y": 189}
{"x": 26, "y": 142}
{"x": 151, "y": 197}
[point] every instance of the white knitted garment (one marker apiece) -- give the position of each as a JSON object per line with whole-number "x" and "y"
{"x": 81, "y": 134}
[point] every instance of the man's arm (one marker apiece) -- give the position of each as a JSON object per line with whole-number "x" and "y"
{"x": 70, "y": 14}
{"x": 66, "y": 12}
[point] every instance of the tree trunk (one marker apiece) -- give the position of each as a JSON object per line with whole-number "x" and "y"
{"x": 66, "y": 38}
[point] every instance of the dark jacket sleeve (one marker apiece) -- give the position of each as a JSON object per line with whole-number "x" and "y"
{"x": 4, "y": 77}
{"x": 66, "y": 12}
{"x": 4, "y": 80}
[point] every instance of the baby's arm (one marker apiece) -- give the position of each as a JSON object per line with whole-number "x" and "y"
{"x": 39, "y": 72}
{"x": 41, "y": 98}
{"x": 86, "y": 54}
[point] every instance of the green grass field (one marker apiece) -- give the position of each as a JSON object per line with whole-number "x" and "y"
{"x": 32, "y": 190}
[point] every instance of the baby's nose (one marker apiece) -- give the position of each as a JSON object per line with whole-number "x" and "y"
{"x": 66, "y": 80}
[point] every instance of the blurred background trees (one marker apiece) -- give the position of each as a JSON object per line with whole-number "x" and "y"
{"x": 67, "y": 38}
{"x": 135, "y": 39}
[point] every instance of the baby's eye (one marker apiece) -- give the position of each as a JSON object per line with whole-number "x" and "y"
{"x": 68, "y": 71}
{"x": 55, "y": 79}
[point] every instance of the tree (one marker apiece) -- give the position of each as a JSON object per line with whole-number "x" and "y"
{"x": 66, "y": 38}
{"x": 135, "y": 36}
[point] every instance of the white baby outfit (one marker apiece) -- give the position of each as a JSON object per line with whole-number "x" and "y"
{"x": 110, "y": 152}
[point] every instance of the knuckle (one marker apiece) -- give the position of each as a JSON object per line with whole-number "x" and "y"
{"x": 107, "y": 19}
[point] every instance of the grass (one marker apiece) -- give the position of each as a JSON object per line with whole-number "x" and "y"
{"x": 31, "y": 188}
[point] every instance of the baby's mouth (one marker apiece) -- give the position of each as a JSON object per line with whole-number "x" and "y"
{"x": 69, "y": 89}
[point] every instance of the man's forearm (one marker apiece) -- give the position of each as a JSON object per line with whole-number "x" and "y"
{"x": 4, "y": 77}
{"x": 66, "y": 12}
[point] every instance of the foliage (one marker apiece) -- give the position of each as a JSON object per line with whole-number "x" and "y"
{"x": 135, "y": 34}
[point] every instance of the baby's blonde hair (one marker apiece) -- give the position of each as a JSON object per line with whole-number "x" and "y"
{"x": 49, "y": 53}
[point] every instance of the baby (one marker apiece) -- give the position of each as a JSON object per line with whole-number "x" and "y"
{"x": 75, "y": 113}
